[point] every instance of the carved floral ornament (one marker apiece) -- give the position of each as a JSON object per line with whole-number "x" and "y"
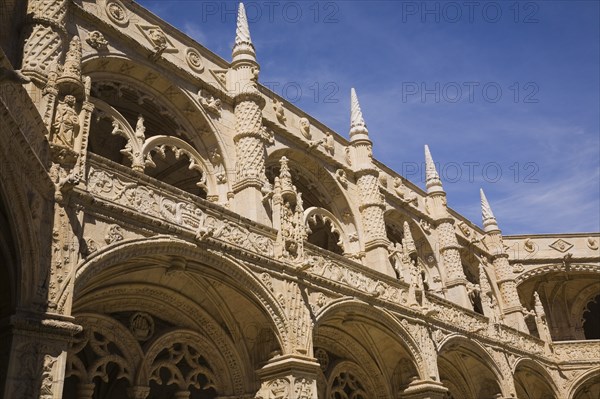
{"x": 117, "y": 12}
{"x": 194, "y": 60}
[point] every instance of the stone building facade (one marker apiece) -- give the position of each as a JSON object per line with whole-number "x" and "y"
{"x": 170, "y": 228}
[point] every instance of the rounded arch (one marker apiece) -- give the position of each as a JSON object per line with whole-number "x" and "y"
{"x": 317, "y": 185}
{"x": 182, "y": 103}
{"x": 532, "y": 380}
{"x": 384, "y": 339}
{"x": 587, "y": 386}
{"x": 158, "y": 144}
{"x": 466, "y": 364}
{"x": 313, "y": 214}
{"x": 210, "y": 264}
{"x": 394, "y": 223}
{"x": 563, "y": 295}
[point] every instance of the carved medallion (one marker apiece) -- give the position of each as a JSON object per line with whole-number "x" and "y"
{"x": 117, "y": 12}
{"x": 194, "y": 60}
{"x": 141, "y": 326}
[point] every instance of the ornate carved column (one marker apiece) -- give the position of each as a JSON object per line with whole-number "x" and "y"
{"x": 456, "y": 281}
{"x": 292, "y": 377}
{"x": 46, "y": 35}
{"x": 372, "y": 205}
{"x": 511, "y": 306}
{"x": 37, "y": 345}
{"x": 250, "y": 137}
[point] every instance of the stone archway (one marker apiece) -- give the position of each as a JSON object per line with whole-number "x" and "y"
{"x": 319, "y": 190}
{"x": 363, "y": 349}
{"x": 134, "y": 105}
{"x": 532, "y": 381}
{"x": 467, "y": 370}
{"x": 587, "y": 386}
{"x": 226, "y": 322}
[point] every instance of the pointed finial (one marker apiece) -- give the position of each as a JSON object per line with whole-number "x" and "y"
{"x": 484, "y": 282}
{"x": 242, "y": 32}
{"x": 408, "y": 243}
{"x": 285, "y": 178}
{"x": 243, "y": 43}
{"x": 537, "y": 305}
{"x": 432, "y": 178}
{"x": 489, "y": 220}
{"x": 357, "y": 122}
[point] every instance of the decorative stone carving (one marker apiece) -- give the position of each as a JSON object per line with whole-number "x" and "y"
{"x": 529, "y": 245}
{"x": 114, "y": 234}
{"x": 275, "y": 389}
{"x": 194, "y": 60}
{"x": 158, "y": 39}
{"x": 518, "y": 268}
{"x": 404, "y": 193}
{"x": 97, "y": 41}
{"x": 592, "y": 243}
{"x": 425, "y": 225}
{"x": 341, "y": 177}
{"x": 117, "y": 12}
{"x": 561, "y": 245}
{"x": 66, "y": 123}
{"x": 305, "y": 128}
{"x": 279, "y": 111}
{"x": 210, "y": 103}
{"x": 141, "y": 326}
{"x": 323, "y": 358}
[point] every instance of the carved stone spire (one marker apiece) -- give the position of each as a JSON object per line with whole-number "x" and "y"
{"x": 285, "y": 180}
{"x": 408, "y": 243}
{"x": 243, "y": 49}
{"x": 358, "y": 128}
{"x": 432, "y": 178}
{"x": 489, "y": 220}
{"x": 484, "y": 282}
{"x": 372, "y": 206}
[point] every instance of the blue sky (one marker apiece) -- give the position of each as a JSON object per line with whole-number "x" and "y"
{"x": 506, "y": 94}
